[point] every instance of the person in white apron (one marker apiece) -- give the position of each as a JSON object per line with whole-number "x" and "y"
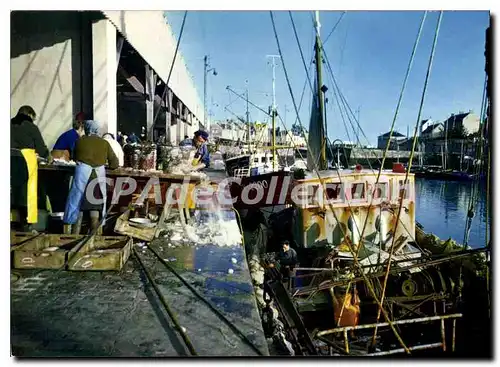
{"x": 88, "y": 189}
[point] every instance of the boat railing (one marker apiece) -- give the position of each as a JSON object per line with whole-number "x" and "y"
{"x": 442, "y": 344}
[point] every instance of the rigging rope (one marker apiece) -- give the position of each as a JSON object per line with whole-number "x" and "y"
{"x": 340, "y": 93}
{"x": 348, "y": 109}
{"x": 344, "y": 101}
{"x": 367, "y": 281}
{"x": 429, "y": 67}
{"x": 334, "y": 27}
{"x": 477, "y": 172}
{"x": 396, "y": 112}
{"x": 345, "y": 104}
{"x": 171, "y": 68}
{"x": 301, "y": 53}
{"x": 340, "y": 108}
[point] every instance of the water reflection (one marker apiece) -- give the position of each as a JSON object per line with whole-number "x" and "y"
{"x": 442, "y": 209}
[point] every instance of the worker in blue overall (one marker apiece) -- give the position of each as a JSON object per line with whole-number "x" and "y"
{"x": 202, "y": 156}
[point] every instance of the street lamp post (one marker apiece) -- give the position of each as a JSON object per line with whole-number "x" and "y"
{"x": 207, "y": 70}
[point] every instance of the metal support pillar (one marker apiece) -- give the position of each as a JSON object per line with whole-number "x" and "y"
{"x": 150, "y": 93}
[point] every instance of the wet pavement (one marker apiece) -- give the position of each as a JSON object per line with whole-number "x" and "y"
{"x": 117, "y": 314}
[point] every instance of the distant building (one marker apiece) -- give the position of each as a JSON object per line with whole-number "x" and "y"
{"x": 468, "y": 120}
{"x": 406, "y": 144}
{"x": 288, "y": 138}
{"x": 432, "y": 131}
{"x": 424, "y": 124}
{"x": 228, "y": 130}
{"x": 396, "y": 139}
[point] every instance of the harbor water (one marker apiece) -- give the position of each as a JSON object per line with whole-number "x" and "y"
{"x": 442, "y": 209}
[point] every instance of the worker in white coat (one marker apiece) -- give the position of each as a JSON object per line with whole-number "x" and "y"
{"x": 117, "y": 148}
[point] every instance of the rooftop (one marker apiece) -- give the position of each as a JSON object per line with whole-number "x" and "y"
{"x": 429, "y": 128}
{"x": 457, "y": 118}
{"x": 395, "y": 134}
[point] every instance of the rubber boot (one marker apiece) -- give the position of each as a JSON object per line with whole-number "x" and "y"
{"x": 95, "y": 225}
{"x": 67, "y": 229}
{"x": 77, "y": 227}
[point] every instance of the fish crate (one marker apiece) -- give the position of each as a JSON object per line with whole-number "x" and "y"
{"x": 45, "y": 251}
{"x": 102, "y": 253}
{"x": 123, "y": 227}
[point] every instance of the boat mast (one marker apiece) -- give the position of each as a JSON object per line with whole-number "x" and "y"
{"x": 273, "y": 109}
{"x": 322, "y": 161}
{"x": 461, "y": 153}
{"x": 248, "y": 118}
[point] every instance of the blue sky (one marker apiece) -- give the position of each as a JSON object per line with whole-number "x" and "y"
{"x": 369, "y": 53}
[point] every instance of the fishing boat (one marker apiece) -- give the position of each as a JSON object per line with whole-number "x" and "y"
{"x": 259, "y": 165}
{"x": 364, "y": 263}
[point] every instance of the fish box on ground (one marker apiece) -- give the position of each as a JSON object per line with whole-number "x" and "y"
{"x": 46, "y": 251}
{"x": 102, "y": 253}
{"x": 123, "y": 226}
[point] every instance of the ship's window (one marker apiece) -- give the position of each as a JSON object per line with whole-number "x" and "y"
{"x": 403, "y": 189}
{"x": 264, "y": 159}
{"x": 333, "y": 191}
{"x": 358, "y": 191}
{"x": 256, "y": 160}
{"x": 380, "y": 191}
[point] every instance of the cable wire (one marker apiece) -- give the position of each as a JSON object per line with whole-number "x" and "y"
{"x": 221, "y": 316}
{"x": 164, "y": 302}
{"x": 171, "y": 68}
{"x": 334, "y": 27}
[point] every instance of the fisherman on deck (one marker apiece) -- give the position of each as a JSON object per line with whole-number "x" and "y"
{"x": 287, "y": 258}
{"x": 26, "y": 144}
{"x": 91, "y": 154}
{"x": 65, "y": 144}
{"x": 202, "y": 157}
